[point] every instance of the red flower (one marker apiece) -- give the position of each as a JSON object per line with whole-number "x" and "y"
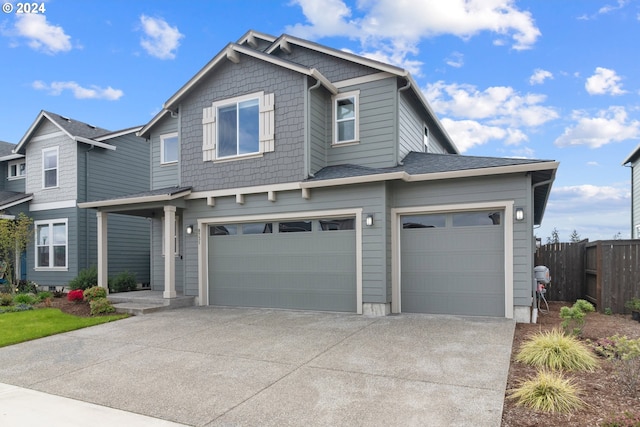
{"x": 75, "y": 295}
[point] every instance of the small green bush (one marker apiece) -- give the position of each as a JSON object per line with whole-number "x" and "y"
{"x": 28, "y": 299}
{"x": 555, "y": 350}
{"x": 94, "y": 292}
{"x": 548, "y": 392}
{"x": 123, "y": 282}
{"x": 87, "y": 278}
{"x": 6, "y": 299}
{"x": 27, "y": 287}
{"x": 101, "y": 306}
{"x": 44, "y": 295}
{"x": 574, "y": 317}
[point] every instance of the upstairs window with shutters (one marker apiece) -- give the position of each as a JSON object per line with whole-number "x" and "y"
{"x": 238, "y": 127}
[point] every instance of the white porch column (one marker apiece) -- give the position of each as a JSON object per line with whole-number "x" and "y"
{"x": 103, "y": 263}
{"x": 169, "y": 251}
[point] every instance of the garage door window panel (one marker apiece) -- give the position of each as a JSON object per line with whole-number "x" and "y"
{"x": 294, "y": 227}
{"x": 474, "y": 219}
{"x": 223, "y": 230}
{"x": 424, "y": 221}
{"x": 257, "y": 228}
{"x": 337, "y": 224}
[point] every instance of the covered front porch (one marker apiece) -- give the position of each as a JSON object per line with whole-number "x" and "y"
{"x": 163, "y": 204}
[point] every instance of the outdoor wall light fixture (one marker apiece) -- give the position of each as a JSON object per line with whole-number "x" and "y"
{"x": 189, "y": 229}
{"x": 519, "y": 214}
{"x": 369, "y": 220}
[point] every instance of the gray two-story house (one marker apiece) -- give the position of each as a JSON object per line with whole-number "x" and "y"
{"x": 633, "y": 161}
{"x": 292, "y": 175}
{"x": 61, "y": 162}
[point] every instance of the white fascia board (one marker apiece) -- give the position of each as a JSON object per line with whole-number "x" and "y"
{"x": 362, "y": 80}
{"x": 133, "y": 200}
{"x": 257, "y": 189}
{"x": 32, "y": 128}
{"x": 634, "y": 154}
{"x": 338, "y": 54}
{"x": 63, "y": 204}
{"x": 94, "y": 142}
{"x": 496, "y": 170}
{"x": 354, "y": 180}
{"x": 16, "y": 202}
{"x": 146, "y": 128}
{"x": 11, "y": 157}
{"x": 256, "y": 34}
{"x": 118, "y": 133}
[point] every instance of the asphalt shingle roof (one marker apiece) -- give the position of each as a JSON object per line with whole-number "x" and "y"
{"x": 75, "y": 127}
{"x": 422, "y": 163}
{"x": 6, "y": 148}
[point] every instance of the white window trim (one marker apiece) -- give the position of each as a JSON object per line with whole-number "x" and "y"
{"x": 334, "y": 117}
{"x": 50, "y": 223}
{"x": 45, "y": 150}
{"x": 237, "y": 100}
{"x": 177, "y": 233}
{"x": 17, "y": 164}
{"x": 162, "y": 138}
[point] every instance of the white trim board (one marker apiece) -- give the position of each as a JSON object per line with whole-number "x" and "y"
{"x": 506, "y": 205}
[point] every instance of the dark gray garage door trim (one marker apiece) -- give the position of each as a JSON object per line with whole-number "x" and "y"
{"x": 203, "y": 246}
{"x": 396, "y": 224}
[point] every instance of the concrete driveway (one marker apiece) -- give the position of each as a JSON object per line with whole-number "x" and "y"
{"x": 209, "y": 366}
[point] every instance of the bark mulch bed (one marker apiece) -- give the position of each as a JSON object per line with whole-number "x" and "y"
{"x": 602, "y": 392}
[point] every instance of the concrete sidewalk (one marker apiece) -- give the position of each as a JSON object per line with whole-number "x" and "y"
{"x": 209, "y": 366}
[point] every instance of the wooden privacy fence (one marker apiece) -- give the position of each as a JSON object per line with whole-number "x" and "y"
{"x": 605, "y": 272}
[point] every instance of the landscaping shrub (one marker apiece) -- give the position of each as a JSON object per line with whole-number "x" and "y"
{"x": 28, "y": 299}
{"x": 626, "y": 354}
{"x": 6, "y": 299}
{"x": 123, "y": 282}
{"x": 628, "y": 419}
{"x": 94, "y": 292}
{"x": 574, "y": 317}
{"x": 27, "y": 286}
{"x": 44, "y": 295}
{"x": 555, "y": 350}
{"x": 548, "y": 392}
{"x": 101, "y": 306}
{"x": 87, "y": 278}
{"x": 75, "y": 295}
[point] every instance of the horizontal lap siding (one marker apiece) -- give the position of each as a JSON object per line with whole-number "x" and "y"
{"x": 319, "y": 120}
{"x": 369, "y": 197}
{"x": 411, "y": 129}
{"x": 477, "y": 190}
{"x": 163, "y": 176}
{"x": 377, "y": 127}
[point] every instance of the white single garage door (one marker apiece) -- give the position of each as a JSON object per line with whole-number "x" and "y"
{"x": 453, "y": 263}
{"x": 296, "y": 264}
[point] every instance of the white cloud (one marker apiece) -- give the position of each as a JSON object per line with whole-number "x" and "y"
{"x": 500, "y": 105}
{"x": 79, "y": 92}
{"x": 539, "y": 76}
{"x": 161, "y": 40}
{"x": 41, "y": 35}
{"x": 456, "y": 60}
{"x": 610, "y": 8}
{"x": 610, "y": 125}
{"x": 385, "y": 26}
{"x": 603, "y": 82}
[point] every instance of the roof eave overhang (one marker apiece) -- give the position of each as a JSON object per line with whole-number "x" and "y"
{"x": 133, "y": 200}
{"x": 94, "y": 143}
{"x": 633, "y": 156}
{"x": 434, "y": 176}
{"x": 118, "y": 133}
{"x": 32, "y": 128}
{"x": 27, "y": 198}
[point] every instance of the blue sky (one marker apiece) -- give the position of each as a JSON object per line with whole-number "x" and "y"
{"x": 555, "y": 80}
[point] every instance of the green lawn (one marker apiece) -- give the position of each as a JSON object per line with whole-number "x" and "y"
{"x": 29, "y": 325}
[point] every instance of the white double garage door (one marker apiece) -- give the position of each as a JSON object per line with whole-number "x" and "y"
{"x": 450, "y": 263}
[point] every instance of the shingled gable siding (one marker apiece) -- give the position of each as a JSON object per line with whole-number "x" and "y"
{"x": 369, "y": 197}
{"x": 378, "y": 125}
{"x": 167, "y": 175}
{"x": 228, "y": 80}
{"x": 482, "y": 189}
{"x": 48, "y": 136}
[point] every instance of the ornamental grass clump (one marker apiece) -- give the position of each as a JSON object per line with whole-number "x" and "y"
{"x": 549, "y": 392}
{"x": 556, "y": 351}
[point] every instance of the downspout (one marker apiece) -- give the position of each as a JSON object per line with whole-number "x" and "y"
{"x": 307, "y": 134}
{"x": 534, "y": 312}
{"x": 86, "y": 199}
{"x": 402, "y": 89}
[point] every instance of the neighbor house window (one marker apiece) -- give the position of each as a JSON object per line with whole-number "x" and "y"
{"x": 169, "y": 148}
{"x": 51, "y": 244}
{"x": 345, "y": 114}
{"x": 17, "y": 169}
{"x": 238, "y": 127}
{"x": 50, "y": 167}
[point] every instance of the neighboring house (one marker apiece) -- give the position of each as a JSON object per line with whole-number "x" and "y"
{"x": 292, "y": 175}
{"x": 60, "y": 162}
{"x": 633, "y": 161}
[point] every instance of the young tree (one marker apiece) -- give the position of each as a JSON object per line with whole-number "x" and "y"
{"x": 554, "y": 238}
{"x": 15, "y": 235}
{"x": 575, "y": 237}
